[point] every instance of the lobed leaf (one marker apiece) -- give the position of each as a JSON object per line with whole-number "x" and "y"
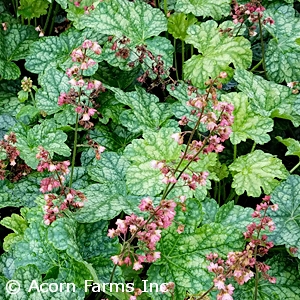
{"x": 217, "y": 52}
{"x": 136, "y": 20}
{"x": 268, "y": 98}
{"x": 46, "y": 135}
{"x": 293, "y": 146}
{"x": 146, "y": 112}
{"x": 286, "y": 286}
{"x": 287, "y": 217}
{"x": 205, "y": 8}
{"x": 247, "y": 124}
{"x": 283, "y": 53}
{"x": 178, "y": 24}
{"x": 256, "y": 170}
{"x": 15, "y": 43}
{"x": 183, "y": 258}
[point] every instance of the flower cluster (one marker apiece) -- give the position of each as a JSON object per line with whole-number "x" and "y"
{"x": 56, "y": 204}
{"x": 169, "y": 175}
{"x": 26, "y": 84}
{"x": 148, "y": 232}
{"x": 11, "y": 152}
{"x": 97, "y": 148}
{"x": 83, "y": 91}
{"x": 16, "y": 171}
{"x": 295, "y": 85}
{"x": 154, "y": 65}
{"x": 251, "y": 11}
{"x": 216, "y": 118}
{"x": 239, "y": 264}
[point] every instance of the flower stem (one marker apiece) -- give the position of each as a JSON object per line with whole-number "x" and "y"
{"x": 74, "y": 150}
{"x": 53, "y": 18}
{"x": 175, "y": 60}
{"x": 75, "y": 143}
{"x": 262, "y": 46}
{"x": 253, "y": 147}
{"x": 32, "y": 98}
{"x": 256, "y": 66}
{"x": 297, "y": 165}
{"x": 166, "y": 7}
{"x": 209, "y": 290}
{"x": 234, "y": 151}
{"x": 219, "y": 192}
{"x": 182, "y": 58}
{"x": 48, "y": 16}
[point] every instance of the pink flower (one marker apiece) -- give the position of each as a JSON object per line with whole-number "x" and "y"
{"x": 96, "y": 48}
{"x": 219, "y": 284}
{"x": 137, "y": 265}
{"x": 212, "y": 267}
{"x": 85, "y": 117}
{"x": 80, "y": 83}
{"x": 177, "y": 137}
{"x": 98, "y": 84}
{"x": 116, "y": 259}
{"x": 73, "y": 82}
{"x": 87, "y": 44}
{"x": 91, "y": 111}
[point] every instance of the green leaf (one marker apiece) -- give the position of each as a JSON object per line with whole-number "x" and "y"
{"x": 178, "y": 23}
{"x": 217, "y": 52}
{"x": 62, "y": 235}
{"x": 15, "y": 43}
{"x": 35, "y": 249}
{"x": 21, "y": 193}
{"x": 292, "y": 145}
{"x": 18, "y": 225}
{"x": 256, "y": 170}
{"x": 183, "y": 258}
{"x": 286, "y": 286}
{"x": 205, "y": 8}
{"x": 6, "y": 123}
{"x": 110, "y": 108}
{"x": 283, "y": 53}
{"x": 53, "y": 83}
{"x": 191, "y": 217}
{"x": 234, "y": 215}
{"x": 30, "y": 280}
{"x": 7, "y": 264}
{"x": 62, "y": 3}
{"x": 210, "y": 208}
{"x": 114, "y": 76}
{"x": 179, "y": 108}
{"x": 156, "y": 45}
{"x": 93, "y": 241}
{"x": 52, "y": 52}
{"x": 104, "y": 202}
{"x": 109, "y": 169}
{"x": 32, "y": 8}
{"x": 247, "y": 124}
{"x": 141, "y": 177}
{"x": 10, "y": 104}
{"x": 108, "y": 199}
{"x": 113, "y": 137}
{"x": 46, "y": 135}
{"x": 136, "y": 20}
{"x": 286, "y": 218}
{"x": 146, "y": 112}
{"x": 268, "y": 98}
{"x": 22, "y": 96}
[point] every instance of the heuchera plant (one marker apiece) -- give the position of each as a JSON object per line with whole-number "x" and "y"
{"x": 136, "y": 142}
